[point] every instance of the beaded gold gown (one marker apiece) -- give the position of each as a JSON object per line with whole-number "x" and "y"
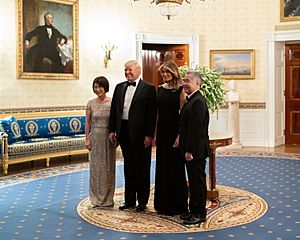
{"x": 102, "y": 156}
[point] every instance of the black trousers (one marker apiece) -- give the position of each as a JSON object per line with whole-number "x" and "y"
{"x": 53, "y": 55}
{"x": 197, "y": 186}
{"x": 137, "y": 162}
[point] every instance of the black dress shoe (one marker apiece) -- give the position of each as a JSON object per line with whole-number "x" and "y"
{"x": 185, "y": 216}
{"x": 194, "y": 220}
{"x": 140, "y": 208}
{"x": 126, "y": 206}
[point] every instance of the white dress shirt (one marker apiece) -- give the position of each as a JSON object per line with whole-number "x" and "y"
{"x": 49, "y": 31}
{"x": 128, "y": 99}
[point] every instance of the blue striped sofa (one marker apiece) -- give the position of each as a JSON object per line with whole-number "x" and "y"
{"x": 31, "y": 139}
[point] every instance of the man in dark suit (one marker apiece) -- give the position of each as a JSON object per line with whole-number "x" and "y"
{"x": 48, "y": 37}
{"x": 132, "y": 124}
{"x": 194, "y": 146}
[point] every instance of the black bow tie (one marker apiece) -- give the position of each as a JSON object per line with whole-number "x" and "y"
{"x": 131, "y": 83}
{"x": 187, "y": 98}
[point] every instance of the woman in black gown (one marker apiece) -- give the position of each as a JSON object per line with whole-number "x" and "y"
{"x": 170, "y": 196}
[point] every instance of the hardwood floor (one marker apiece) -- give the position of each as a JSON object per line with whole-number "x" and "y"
{"x": 40, "y": 164}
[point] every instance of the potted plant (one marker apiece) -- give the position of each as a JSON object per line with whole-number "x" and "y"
{"x": 212, "y": 87}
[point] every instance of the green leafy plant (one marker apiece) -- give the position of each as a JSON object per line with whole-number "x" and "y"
{"x": 212, "y": 87}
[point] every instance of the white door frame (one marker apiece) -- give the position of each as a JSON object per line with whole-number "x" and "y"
{"x": 154, "y": 38}
{"x": 271, "y": 88}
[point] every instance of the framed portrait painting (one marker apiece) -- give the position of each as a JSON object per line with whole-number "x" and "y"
{"x": 289, "y": 10}
{"x": 234, "y": 64}
{"x": 47, "y": 39}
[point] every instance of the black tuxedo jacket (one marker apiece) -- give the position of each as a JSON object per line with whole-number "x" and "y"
{"x": 44, "y": 43}
{"x": 193, "y": 127}
{"x": 142, "y": 111}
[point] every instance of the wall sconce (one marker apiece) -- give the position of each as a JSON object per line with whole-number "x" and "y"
{"x": 108, "y": 49}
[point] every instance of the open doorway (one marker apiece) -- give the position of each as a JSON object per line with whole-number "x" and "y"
{"x": 153, "y": 55}
{"x": 277, "y": 68}
{"x": 184, "y": 48}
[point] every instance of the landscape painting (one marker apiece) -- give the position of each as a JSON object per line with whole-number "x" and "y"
{"x": 233, "y": 64}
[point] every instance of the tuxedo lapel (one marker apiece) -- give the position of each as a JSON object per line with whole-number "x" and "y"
{"x": 183, "y": 107}
{"x": 138, "y": 91}
{"x": 122, "y": 94}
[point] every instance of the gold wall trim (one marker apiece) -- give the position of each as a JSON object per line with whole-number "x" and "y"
{"x": 287, "y": 27}
{"x": 252, "y": 105}
{"x": 42, "y": 111}
{"x": 80, "y": 110}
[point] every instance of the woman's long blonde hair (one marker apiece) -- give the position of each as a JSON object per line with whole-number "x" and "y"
{"x": 172, "y": 67}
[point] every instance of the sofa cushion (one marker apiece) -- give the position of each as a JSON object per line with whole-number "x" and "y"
{"x": 10, "y": 126}
{"x": 37, "y": 146}
{"x": 53, "y": 126}
{"x": 75, "y": 125}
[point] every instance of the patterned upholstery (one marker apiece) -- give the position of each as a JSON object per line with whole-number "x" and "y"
{"x": 49, "y": 127}
{"x": 10, "y": 126}
{"x": 34, "y": 136}
{"x": 37, "y": 146}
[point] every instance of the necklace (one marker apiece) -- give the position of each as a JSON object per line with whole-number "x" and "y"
{"x": 167, "y": 86}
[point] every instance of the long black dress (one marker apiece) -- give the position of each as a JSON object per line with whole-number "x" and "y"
{"x": 170, "y": 196}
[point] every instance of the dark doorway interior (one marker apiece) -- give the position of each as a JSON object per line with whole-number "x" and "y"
{"x": 153, "y": 55}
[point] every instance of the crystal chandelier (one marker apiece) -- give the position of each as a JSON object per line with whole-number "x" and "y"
{"x": 170, "y": 8}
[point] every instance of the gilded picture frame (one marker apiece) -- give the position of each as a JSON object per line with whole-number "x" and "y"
{"x": 47, "y": 39}
{"x": 289, "y": 10}
{"x": 234, "y": 64}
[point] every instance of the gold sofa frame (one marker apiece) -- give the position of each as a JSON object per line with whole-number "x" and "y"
{"x": 6, "y": 160}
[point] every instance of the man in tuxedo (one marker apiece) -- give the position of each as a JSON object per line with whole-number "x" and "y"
{"x": 194, "y": 146}
{"x": 132, "y": 124}
{"x": 48, "y": 38}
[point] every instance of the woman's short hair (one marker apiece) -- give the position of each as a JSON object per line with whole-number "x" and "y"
{"x": 172, "y": 67}
{"x": 102, "y": 82}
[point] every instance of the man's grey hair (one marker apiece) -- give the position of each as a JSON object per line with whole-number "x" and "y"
{"x": 195, "y": 74}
